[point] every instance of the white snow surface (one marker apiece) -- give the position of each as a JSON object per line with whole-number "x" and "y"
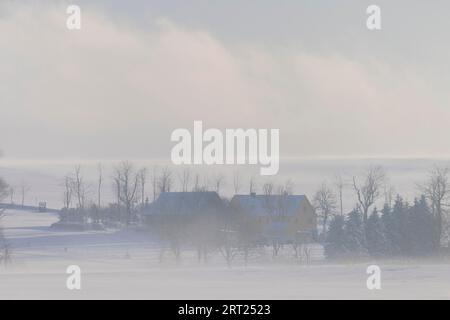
{"x": 126, "y": 265}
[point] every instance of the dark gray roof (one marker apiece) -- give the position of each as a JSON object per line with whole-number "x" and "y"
{"x": 187, "y": 203}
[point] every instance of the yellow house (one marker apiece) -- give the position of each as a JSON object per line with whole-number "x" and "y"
{"x": 283, "y": 218}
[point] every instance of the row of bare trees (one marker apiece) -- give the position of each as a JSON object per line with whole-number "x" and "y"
{"x": 129, "y": 186}
{"x": 368, "y": 189}
{"x": 191, "y": 181}
{"x": 12, "y": 192}
{"x": 207, "y": 235}
{"x": 128, "y": 183}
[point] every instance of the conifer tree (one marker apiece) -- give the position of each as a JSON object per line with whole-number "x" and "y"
{"x": 335, "y": 239}
{"x": 422, "y": 228}
{"x": 376, "y": 235}
{"x": 355, "y": 238}
{"x": 393, "y": 218}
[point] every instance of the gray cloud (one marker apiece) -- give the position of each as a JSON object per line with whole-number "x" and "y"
{"x": 117, "y": 89}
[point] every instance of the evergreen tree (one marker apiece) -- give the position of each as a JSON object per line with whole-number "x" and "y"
{"x": 394, "y": 222}
{"x": 355, "y": 238}
{"x": 335, "y": 238}
{"x": 375, "y": 235}
{"x": 400, "y": 230}
{"x": 403, "y": 222}
{"x": 422, "y": 228}
{"x": 389, "y": 231}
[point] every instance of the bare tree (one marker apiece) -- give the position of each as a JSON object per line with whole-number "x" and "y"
{"x": 4, "y": 189}
{"x": 5, "y": 250}
{"x": 237, "y": 184}
{"x": 117, "y": 178}
{"x": 340, "y": 184}
{"x": 206, "y": 186}
{"x": 248, "y": 235}
{"x": 219, "y": 182}
{"x": 143, "y": 182}
{"x": 165, "y": 181}
{"x": 185, "y": 177}
{"x": 24, "y": 189}
{"x": 252, "y": 185}
{"x": 99, "y": 185}
{"x": 196, "y": 186}
{"x": 369, "y": 190}
{"x": 80, "y": 188}
{"x": 170, "y": 227}
{"x": 325, "y": 204}
{"x": 285, "y": 189}
{"x": 67, "y": 184}
{"x": 389, "y": 193}
{"x": 228, "y": 244}
{"x": 127, "y": 183}
{"x": 277, "y": 206}
{"x": 288, "y": 187}
{"x": 437, "y": 191}
{"x": 12, "y": 193}
{"x": 155, "y": 182}
{"x": 268, "y": 188}
{"x": 268, "y": 191}
{"x": 201, "y": 186}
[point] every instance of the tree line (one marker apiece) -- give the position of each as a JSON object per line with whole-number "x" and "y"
{"x": 399, "y": 229}
{"x": 133, "y": 188}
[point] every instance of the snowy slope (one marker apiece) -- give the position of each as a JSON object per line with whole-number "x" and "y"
{"x": 126, "y": 265}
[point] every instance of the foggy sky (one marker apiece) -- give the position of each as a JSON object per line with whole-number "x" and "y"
{"x": 138, "y": 70}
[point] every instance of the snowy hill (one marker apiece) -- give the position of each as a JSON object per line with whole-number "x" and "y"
{"x": 127, "y": 265}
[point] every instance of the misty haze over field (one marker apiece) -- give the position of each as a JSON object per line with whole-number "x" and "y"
{"x": 87, "y": 179}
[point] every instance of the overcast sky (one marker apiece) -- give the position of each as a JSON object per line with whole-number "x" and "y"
{"x": 140, "y": 69}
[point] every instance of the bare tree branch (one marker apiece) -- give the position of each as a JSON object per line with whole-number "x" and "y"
{"x": 369, "y": 190}
{"x": 325, "y": 204}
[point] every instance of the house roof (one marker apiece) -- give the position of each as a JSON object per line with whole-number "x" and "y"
{"x": 186, "y": 203}
{"x": 263, "y": 205}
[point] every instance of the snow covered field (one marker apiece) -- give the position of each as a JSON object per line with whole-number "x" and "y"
{"x": 125, "y": 265}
